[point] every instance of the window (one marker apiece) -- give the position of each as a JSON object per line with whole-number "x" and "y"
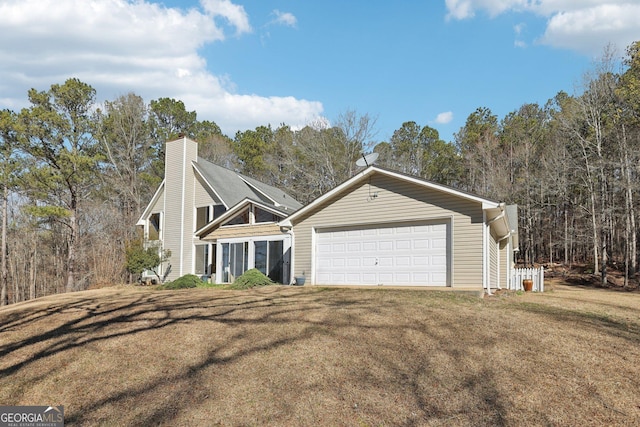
{"x": 154, "y": 226}
{"x": 218, "y": 210}
{"x": 241, "y": 218}
{"x": 202, "y": 260}
{"x": 202, "y": 217}
{"x": 265, "y": 216}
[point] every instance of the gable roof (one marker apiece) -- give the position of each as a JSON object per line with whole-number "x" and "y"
{"x": 496, "y": 213}
{"x": 239, "y": 207}
{"x": 147, "y": 210}
{"x": 232, "y": 187}
{"x": 371, "y": 170}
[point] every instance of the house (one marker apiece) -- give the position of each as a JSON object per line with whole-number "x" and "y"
{"x": 385, "y": 228}
{"x": 196, "y": 193}
{"x": 380, "y": 227}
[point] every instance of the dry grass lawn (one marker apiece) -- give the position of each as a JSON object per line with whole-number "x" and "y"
{"x": 314, "y": 356}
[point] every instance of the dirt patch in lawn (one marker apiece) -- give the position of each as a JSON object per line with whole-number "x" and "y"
{"x": 316, "y": 356}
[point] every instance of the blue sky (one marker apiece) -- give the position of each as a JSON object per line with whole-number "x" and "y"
{"x": 248, "y": 63}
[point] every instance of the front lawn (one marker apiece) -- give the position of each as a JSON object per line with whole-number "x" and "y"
{"x": 315, "y": 356}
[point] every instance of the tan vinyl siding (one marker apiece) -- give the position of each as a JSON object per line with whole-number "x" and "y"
{"x": 179, "y": 216}
{"x": 384, "y": 200}
{"x": 173, "y": 209}
{"x": 203, "y": 195}
{"x": 188, "y": 260}
{"x": 158, "y": 206}
{"x": 244, "y": 231}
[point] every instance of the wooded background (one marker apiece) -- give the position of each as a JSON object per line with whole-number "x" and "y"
{"x": 76, "y": 175}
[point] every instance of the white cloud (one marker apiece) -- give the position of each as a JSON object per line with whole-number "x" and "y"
{"x": 120, "y": 46}
{"x": 590, "y": 30}
{"x": 285, "y": 18}
{"x": 518, "y": 29}
{"x": 464, "y": 9}
{"x": 586, "y": 26}
{"x": 459, "y": 9}
{"x": 233, "y": 13}
{"x": 444, "y": 118}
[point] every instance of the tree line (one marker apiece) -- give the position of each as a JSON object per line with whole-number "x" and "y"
{"x": 76, "y": 175}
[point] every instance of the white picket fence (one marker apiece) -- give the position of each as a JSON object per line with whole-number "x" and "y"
{"x": 535, "y": 274}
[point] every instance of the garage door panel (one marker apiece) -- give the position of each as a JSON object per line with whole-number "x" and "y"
{"x": 403, "y": 278}
{"x": 369, "y": 246}
{"x": 421, "y": 244}
{"x": 439, "y": 243}
{"x": 354, "y": 262}
{"x": 369, "y": 261}
{"x": 439, "y": 260}
{"x": 420, "y": 260}
{"x": 421, "y": 277}
{"x": 338, "y": 278}
{"x": 354, "y": 277}
{"x": 384, "y": 278}
{"x": 322, "y": 277}
{"x": 403, "y": 230}
{"x": 324, "y": 248}
{"x": 368, "y": 278}
{"x": 403, "y": 261}
{"x": 324, "y": 263}
{"x": 354, "y": 246}
{"x": 338, "y": 247}
{"x": 439, "y": 277}
{"x": 402, "y": 245}
{"x": 390, "y": 255}
{"x": 385, "y": 245}
{"x": 385, "y": 261}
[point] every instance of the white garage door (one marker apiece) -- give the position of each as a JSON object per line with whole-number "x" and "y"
{"x": 391, "y": 255}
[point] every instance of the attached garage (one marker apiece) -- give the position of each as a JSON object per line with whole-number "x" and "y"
{"x": 384, "y": 228}
{"x": 387, "y": 254}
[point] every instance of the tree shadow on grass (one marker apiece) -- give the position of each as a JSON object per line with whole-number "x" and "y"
{"x": 627, "y": 330}
{"x": 397, "y": 356}
{"x": 93, "y": 320}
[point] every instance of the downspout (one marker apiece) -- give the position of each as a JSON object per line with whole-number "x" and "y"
{"x": 288, "y": 226}
{"x": 485, "y": 258}
{"x": 508, "y": 277}
{"x": 292, "y": 257}
{"x": 486, "y": 232}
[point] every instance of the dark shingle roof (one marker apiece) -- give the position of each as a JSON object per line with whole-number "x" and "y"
{"x": 233, "y": 187}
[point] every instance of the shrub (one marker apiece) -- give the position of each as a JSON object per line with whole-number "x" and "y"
{"x": 251, "y": 278}
{"x": 186, "y": 281}
{"x": 139, "y": 259}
